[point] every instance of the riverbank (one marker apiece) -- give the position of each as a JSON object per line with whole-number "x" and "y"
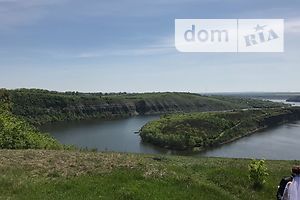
{"x": 41, "y": 174}
{"x": 201, "y": 131}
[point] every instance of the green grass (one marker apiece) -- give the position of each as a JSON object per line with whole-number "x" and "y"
{"x": 35, "y": 174}
{"x": 120, "y": 184}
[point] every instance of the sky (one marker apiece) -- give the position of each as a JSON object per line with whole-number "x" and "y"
{"x": 128, "y": 46}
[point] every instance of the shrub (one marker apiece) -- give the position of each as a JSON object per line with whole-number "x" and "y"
{"x": 257, "y": 173}
{"x": 16, "y": 133}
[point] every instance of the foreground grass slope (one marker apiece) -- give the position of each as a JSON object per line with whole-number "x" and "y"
{"x": 197, "y": 131}
{"x": 37, "y": 174}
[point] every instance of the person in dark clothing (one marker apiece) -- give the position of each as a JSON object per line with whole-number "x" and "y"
{"x": 292, "y": 189}
{"x": 284, "y": 181}
{"x": 282, "y": 186}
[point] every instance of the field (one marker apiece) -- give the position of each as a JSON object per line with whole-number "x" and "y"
{"x": 45, "y": 174}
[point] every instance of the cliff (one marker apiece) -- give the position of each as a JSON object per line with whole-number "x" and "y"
{"x": 41, "y": 106}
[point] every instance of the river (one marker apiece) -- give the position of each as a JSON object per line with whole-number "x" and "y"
{"x": 278, "y": 143}
{"x": 115, "y": 135}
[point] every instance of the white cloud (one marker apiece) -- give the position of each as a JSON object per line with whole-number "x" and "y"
{"x": 160, "y": 47}
{"x": 139, "y": 51}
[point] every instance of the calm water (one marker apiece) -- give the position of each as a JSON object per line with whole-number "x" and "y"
{"x": 282, "y": 142}
{"x": 284, "y": 101}
{"x": 116, "y": 135}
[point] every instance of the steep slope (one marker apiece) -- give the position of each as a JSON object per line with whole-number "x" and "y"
{"x": 17, "y": 133}
{"x": 40, "y": 106}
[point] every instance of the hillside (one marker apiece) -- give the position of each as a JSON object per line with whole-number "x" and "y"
{"x": 17, "y": 133}
{"x": 36, "y": 174}
{"x": 198, "y": 131}
{"x": 41, "y": 106}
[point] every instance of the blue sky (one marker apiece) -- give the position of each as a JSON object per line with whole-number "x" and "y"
{"x": 111, "y": 46}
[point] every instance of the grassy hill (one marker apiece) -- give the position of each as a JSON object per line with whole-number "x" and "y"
{"x": 197, "y": 131}
{"x": 36, "y": 174}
